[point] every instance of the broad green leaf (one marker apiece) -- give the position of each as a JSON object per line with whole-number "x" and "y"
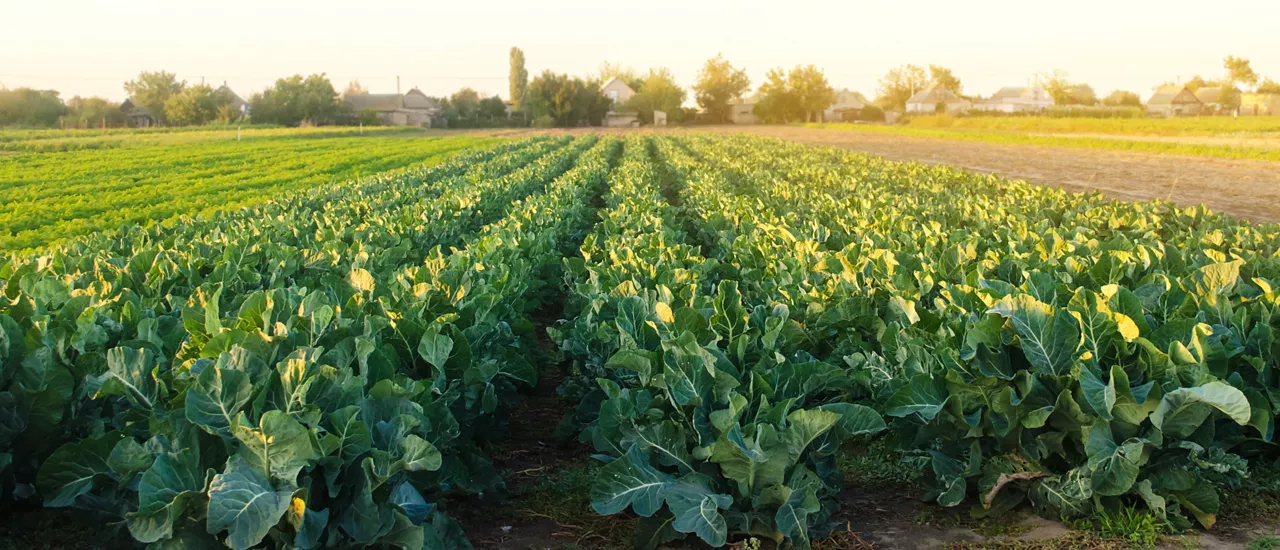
{"x": 1050, "y": 342}
{"x": 1181, "y": 411}
{"x": 629, "y": 481}
{"x": 923, "y": 395}
{"x": 216, "y": 397}
{"x": 243, "y": 503}
{"x": 280, "y": 447}
{"x": 163, "y": 493}
{"x": 696, "y": 508}
{"x": 72, "y": 469}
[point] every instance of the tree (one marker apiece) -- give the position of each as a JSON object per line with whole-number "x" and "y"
{"x": 776, "y": 104}
{"x": 518, "y": 79}
{"x": 553, "y": 95}
{"x": 811, "y": 90}
{"x": 899, "y": 84}
{"x": 466, "y": 101}
{"x": 90, "y": 112}
{"x": 1121, "y": 98}
{"x": 659, "y": 92}
{"x": 296, "y": 100}
{"x": 152, "y": 90}
{"x": 492, "y": 108}
{"x": 1063, "y": 91}
{"x": 1239, "y": 71}
{"x": 944, "y": 78}
{"x": 608, "y": 70}
{"x": 355, "y": 88}
{"x": 1268, "y": 86}
{"x": 197, "y": 104}
{"x": 30, "y": 108}
{"x": 718, "y": 82}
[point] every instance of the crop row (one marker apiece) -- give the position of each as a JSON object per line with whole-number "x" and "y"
{"x": 308, "y": 372}
{"x": 49, "y": 198}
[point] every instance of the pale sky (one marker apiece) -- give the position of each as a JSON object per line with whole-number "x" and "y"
{"x": 84, "y": 47}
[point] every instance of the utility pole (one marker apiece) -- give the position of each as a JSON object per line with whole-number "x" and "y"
{"x": 397, "y": 84}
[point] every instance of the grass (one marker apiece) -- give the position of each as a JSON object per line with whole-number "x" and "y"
{"x": 1012, "y": 138}
{"x": 1264, "y": 542}
{"x": 49, "y": 141}
{"x": 47, "y": 198}
{"x": 874, "y": 465}
{"x": 1169, "y": 127}
{"x": 564, "y": 497}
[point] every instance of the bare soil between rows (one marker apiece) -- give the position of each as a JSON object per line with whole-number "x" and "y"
{"x": 1248, "y": 189}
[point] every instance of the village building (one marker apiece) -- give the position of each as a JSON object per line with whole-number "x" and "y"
{"x": 847, "y": 105}
{"x": 618, "y": 116}
{"x": 1218, "y": 99}
{"x": 1017, "y": 99}
{"x": 1173, "y": 100}
{"x": 1260, "y": 104}
{"x": 936, "y": 99}
{"x": 742, "y": 112}
{"x": 410, "y": 109}
{"x": 137, "y": 115}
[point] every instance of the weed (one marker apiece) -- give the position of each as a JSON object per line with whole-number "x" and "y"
{"x": 1264, "y": 542}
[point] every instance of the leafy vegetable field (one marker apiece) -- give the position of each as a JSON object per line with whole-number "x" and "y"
{"x": 328, "y": 369}
{"x": 47, "y": 198}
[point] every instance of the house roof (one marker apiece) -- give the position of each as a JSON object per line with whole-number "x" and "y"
{"x": 619, "y": 81}
{"x": 852, "y": 99}
{"x": 1211, "y": 94}
{"x": 934, "y": 95}
{"x": 132, "y": 107}
{"x": 1169, "y": 95}
{"x": 415, "y": 99}
{"x": 374, "y": 102}
{"x": 235, "y": 98}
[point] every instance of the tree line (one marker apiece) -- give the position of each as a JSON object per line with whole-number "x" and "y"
{"x": 557, "y": 99}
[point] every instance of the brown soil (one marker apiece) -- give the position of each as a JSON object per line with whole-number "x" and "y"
{"x": 1245, "y": 188}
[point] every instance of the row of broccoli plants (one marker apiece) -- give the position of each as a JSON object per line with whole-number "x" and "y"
{"x": 67, "y": 307}
{"x": 707, "y": 427}
{"x": 1035, "y": 344}
{"x": 306, "y": 415}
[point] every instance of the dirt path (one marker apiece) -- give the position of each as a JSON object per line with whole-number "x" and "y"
{"x": 1248, "y": 189}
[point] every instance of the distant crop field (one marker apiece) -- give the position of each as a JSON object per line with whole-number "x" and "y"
{"x": 47, "y": 141}
{"x": 1192, "y": 126}
{"x": 1258, "y": 145}
{"x": 48, "y": 197}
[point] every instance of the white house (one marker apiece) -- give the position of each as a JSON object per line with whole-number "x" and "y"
{"x": 926, "y": 101}
{"x": 1017, "y": 99}
{"x": 846, "y": 105}
{"x": 618, "y": 117}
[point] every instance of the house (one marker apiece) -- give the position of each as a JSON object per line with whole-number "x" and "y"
{"x": 138, "y": 116}
{"x": 410, "y": 109}
{"x": 926, "y": 101}
{"x": 619, "y": 92}
{"x": 659, "y": 118}
{"x": 847, "y": 105}
{"x": 1217, "y": 99}
{"x": 742, "y": 112}
{"x": 1260, "y": 104}
{"x": 1173, "y": 100}
{"x": 237, "y": 103}
{"x": 1017, "y": 99}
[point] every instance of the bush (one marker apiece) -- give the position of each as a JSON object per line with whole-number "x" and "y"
{"x": 369, "y": 117}
{"x": 871, "y": 113}
{"x": 544, "y": 121}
